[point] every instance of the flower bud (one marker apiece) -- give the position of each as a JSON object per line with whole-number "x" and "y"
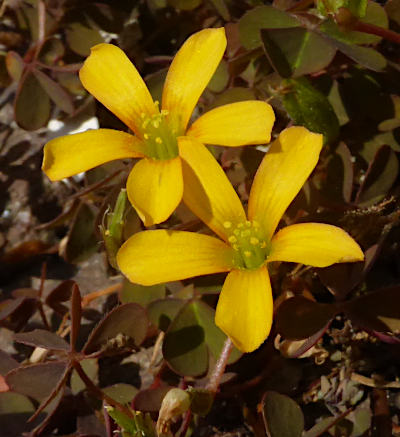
{"x": 175, "y": 403}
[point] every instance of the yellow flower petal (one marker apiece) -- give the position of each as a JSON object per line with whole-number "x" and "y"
{"x": 236, "y": 124}
{"x": 245, "y": 308}
{"x": 207, "y": 190}
{"x": 153, "y": 257}
{"x": 282, "y": 173}
{"x": 314, "y": 244}
{"x": 110, "y": 76}
{"x": 189, "y": 73}
{"x": 155, "y": 189}
{"x": 72, "y": 154}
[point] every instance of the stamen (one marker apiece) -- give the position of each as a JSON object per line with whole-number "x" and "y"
{"x": 248, "y": 242}
{"x": 227, "y": 225}
{"x": 161, "y": 142}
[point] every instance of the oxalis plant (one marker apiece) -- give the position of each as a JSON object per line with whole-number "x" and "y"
{"x": 177, "y": 215}
{"x": 175, "y": 165}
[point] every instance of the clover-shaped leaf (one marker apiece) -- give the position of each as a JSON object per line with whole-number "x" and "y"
{"x": 191, "y": 337}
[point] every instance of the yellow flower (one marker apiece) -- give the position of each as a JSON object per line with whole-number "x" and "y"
{"x": 155, "y": 184}
{"x": 246, "y": 244}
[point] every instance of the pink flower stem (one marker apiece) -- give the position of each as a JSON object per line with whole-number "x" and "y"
{"x": 219, "y": 369}
{"x": 387, "y": 34}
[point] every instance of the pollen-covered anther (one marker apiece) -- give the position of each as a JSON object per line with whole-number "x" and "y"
{"x": 227, "y": 225}
{"x": 232, "y": 239}
{"x": 158, "y": 140}
{"x": 254, "y": 241}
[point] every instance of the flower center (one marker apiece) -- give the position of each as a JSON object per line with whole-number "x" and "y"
{"x": 247, "y": 240}
{"x": 160, "y": 139}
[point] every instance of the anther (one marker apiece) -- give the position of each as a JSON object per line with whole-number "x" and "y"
{"x": 158, "y": 140}
{"x": 240, "y": 225}
{"x": 245, "y": 233}
{"x": 254, "y": 241}
{"x": 263, "y": 245}
{"x": 248, "y": 223}
{"x": 232, "y": 239}
{"x": 146, "y": 136}
{"x": 227, "y": 225}
{"x": 247, "y": 253}
{"x": 156, "y": 124}
{"x": 236, "y": 232}
{"x": 164, "y": 112}
{"x": 235, "y": 247}
{"x": 145, "y": 123}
